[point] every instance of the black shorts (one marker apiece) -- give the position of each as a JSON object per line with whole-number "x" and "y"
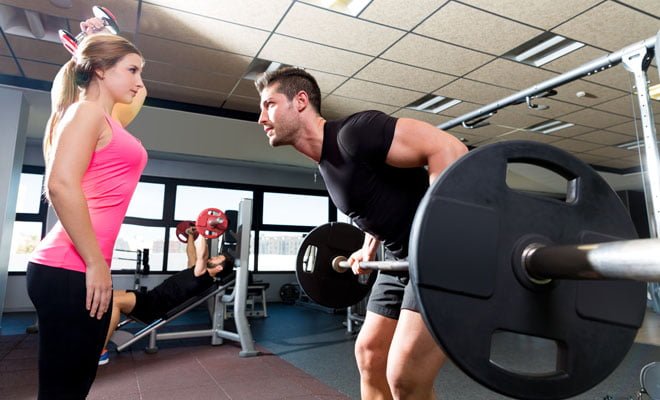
{"x": 391, "y": 293}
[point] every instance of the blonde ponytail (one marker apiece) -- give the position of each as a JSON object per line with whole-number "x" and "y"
{"x": 62, "y": 95}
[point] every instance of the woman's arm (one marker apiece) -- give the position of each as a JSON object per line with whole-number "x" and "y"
{"x": 76, "y": 140}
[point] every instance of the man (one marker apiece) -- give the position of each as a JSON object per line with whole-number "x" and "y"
{"x": 173, "y": 291}
{"x": 373, "y": 166}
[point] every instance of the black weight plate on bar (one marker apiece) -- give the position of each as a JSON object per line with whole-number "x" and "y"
{"x": 464, "y": 234}
{"x": 314, "y": 267}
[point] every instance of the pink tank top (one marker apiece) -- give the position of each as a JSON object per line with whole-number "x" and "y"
{"x": 108, "y": 185}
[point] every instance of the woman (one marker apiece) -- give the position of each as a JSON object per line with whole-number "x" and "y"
{"x": 92, "y": 168}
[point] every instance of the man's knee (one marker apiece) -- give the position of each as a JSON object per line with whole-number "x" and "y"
{"x": 124, "y": 301}
{"x": 371, "y": 354}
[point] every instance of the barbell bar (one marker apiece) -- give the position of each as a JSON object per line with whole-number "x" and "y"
{"x": 629, "y": 259}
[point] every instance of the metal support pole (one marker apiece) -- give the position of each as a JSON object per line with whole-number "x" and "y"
{"x": 629, "y": 259}
{"x": 637, "y": 61}
{"x": 242, "y": 326}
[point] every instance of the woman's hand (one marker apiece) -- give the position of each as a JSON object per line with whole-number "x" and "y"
{"x": 99, "y": 289}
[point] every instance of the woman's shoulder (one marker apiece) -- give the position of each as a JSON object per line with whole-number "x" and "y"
{"x": 85, "y": 111}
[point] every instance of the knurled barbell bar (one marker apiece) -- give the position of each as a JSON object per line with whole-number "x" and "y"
{"x": 629, "y": 259}
{"x": 485, "y": 258}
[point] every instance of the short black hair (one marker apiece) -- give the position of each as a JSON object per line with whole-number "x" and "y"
{"x": 292, "y": 80}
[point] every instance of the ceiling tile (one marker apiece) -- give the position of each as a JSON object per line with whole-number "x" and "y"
{"x": 240, "y": 103}
{"x": 632, "y": 128}
{"x": 525, "y": 135}
{"x": 175, "y": 75}
{"x": 407, "y": 17}
{"x": 542, "y": 13}
{"x": 38, "y": 70}
{"x": 626, "y": 105}
{"x": 621, "y": 163}
{"x": 338, "y": 107}
{"x": 338, "y": 30}
{"x": 473, "y": 91}
{"x": 168, "y": 91}
{"x": 124, "y": 11}
{"x": 376, "y": 93}
{"x": 572, "y": 131}
{"x": 556, "y": 108}
{"x": 604, "y": 137}
{"x": 610, "y": 26}
{"x": 423, "y": 52}
{"x": 8, "y": 66}
{"x": 594, "y": 118}
{"x": 485, "y": 33}
{"x": 510, "y": 74}
{"x": 404, "y": 76}
{"x": 202, "y": 31}
{"x": 38, "y": 50}
{"x": 246, "y": 89}
{"x": 591, "y": 158}
{"x": 243, "y": 12}
{"x": 193, "y": 57}
{"x": 595, "y": 93}
{"x": 574, "y": 59}
{"x": 616, "y": 77}
{"x": 327, "y": 82}
{"x": 650, "y": 6}
{"x": 514, "y": 117}
{"x": 613, "y": 152}
{"x": 297, "y": 52}
{"x": 576, "y": 146}
{"x": 431, "y": 118}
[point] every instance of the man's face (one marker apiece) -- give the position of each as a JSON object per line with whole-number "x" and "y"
{"x": 278, "y": 116}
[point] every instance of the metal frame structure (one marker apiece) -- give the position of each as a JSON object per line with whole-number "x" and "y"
{"x": 217, "y": 298}
{"x": 636, "y": 58}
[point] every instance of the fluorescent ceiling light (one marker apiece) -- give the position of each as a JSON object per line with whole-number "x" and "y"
{"x": 432, "y": 104}
{"x": 31, "y": 24}
{"x": 542, "y": 49}
{"x": 550, "y": 126}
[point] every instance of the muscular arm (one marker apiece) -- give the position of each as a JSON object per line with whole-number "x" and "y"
{"x": 418, "y": 143}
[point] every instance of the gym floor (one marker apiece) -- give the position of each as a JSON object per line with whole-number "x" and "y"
{"x": 307, "y": 355}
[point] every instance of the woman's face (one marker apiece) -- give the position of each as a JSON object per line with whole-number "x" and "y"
{"x": 124, "y": 79}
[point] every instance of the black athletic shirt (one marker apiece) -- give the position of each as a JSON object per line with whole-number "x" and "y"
{"x": 381, "y": 199}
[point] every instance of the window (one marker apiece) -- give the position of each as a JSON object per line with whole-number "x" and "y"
{"x": 278, "y": 250}
{"x": 341, "y": 217}
{"x": 294, "y": 209}
{"x": 191, "y": 200}
{"x": 30, "y": 188}
{"x": 147, "y": 201}
{"x": 177, "y": 258}
{"x": 134, "y": 237}
{"x": 24, "y": 239}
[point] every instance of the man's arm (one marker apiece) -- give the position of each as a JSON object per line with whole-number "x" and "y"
{"x": 418, "y": 143}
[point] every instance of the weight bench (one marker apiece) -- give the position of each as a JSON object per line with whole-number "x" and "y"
{"x": 217, "y": 292}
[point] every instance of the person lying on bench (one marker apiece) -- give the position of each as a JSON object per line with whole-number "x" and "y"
{"x": 153, "y": 304}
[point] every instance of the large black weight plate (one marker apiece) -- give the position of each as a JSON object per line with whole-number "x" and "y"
{"x": 314, "y": 271}
{"x": 464, "y": 236}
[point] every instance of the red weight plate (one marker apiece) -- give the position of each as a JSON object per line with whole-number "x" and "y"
{"x": 212, "y": 223}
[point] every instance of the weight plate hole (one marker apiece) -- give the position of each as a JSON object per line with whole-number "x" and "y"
{"x": 524, "y": 354}
{"x": 558, "y": 187}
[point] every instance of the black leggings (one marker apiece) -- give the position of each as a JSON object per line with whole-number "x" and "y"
{"x": 70, "y": 341}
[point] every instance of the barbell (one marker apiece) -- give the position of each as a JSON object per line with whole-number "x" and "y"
{"x": 485, "y": 259}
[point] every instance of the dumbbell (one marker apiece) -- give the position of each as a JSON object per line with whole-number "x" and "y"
{"x": 181, "y": 228}
{"x": 211, "y": 223}
{"x": 71, "y": 42}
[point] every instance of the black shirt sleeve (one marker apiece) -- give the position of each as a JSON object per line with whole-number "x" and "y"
{"x": 367, "y": 136}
